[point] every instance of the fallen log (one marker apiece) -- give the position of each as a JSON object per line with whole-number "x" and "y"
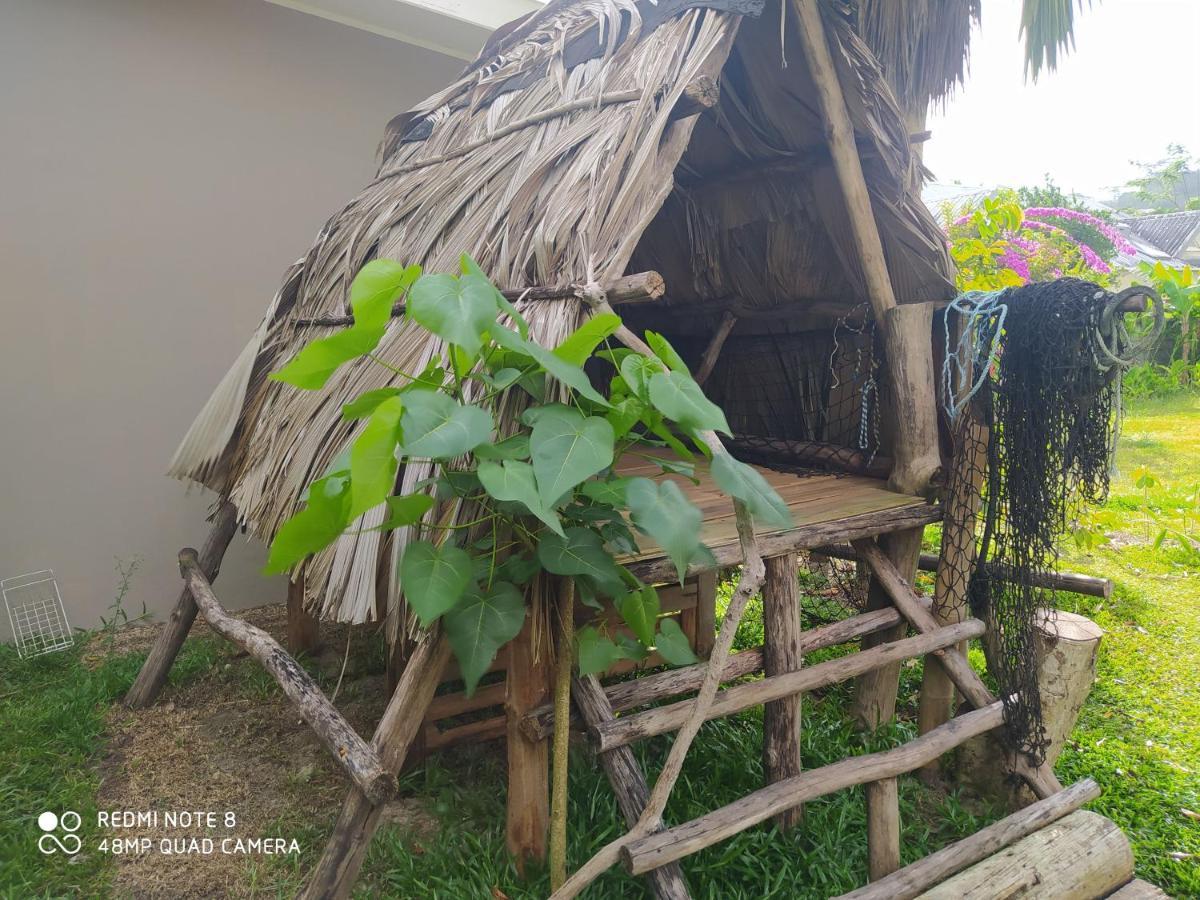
{"x": 910, "y": 881}
{"x": 359, "y": 760}
{"x": 1080, "y": 857}
{"x": 663, "y": 719}
{"x": 643, "y": 287}
{"x": 682, "y": 840}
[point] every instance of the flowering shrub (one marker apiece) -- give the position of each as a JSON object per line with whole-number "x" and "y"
{"x": 998, "y": 244}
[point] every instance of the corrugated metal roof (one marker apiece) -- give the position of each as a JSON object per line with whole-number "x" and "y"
{"x": 1170, "y": 232}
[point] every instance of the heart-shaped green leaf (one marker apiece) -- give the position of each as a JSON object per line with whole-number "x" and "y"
{"x": 663, "y": 512}
{"x": 568, "y": 448}
{"x": 637, "y": 370}
{"x": 664, "y": 351}
{"x": 433, "y": 578}
{"x": 515, "y": 447}
{"x": 405, "y": 511}
{"x": 640, "y": 609}
{"x": 680, "y": 399}
{"x": 470, "y": 267}
{"x": 581, "y": 552}
{"x": 458, "y": 310}
{"x": 596, "y": 653}
{"x": 376, "y": 288}
{"x": 744, "y": 482}
{"x": 436, "y": 426}
{"x": 513, "y": 481}
{"x": 313, "y": 528}
{"x": 611, "y": 491}
{"x": 580, "y": 343}
{"x": 672, "y": 644}
{"x": 481, "y": 625}
{"x": 364, "y": 404}
{"x": 570, "y": 375}
{"x": 373, "y": 458}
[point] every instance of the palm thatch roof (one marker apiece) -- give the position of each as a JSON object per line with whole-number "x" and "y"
{"x": 559, "y": 158}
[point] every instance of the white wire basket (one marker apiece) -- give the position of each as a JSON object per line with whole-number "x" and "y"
{"x": 36, "y": 613}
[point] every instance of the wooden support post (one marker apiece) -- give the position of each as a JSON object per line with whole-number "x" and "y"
{"x": 713, "y": 351}
{"x": 1080, "y": 857}
{"x": 360, "y": 761}
{"x": 910, "y": 881}
{"x": 153, "y": 675}
{"x": 528, "y": 818}
{"x": 706, "y": 613}
{"x": 1040, "y": 778}
{"x": 303, "y": 630}
{"x": 564, "y": 662}
{"x": 675, "y": 843}
{"x": 338, "y": 868}
{"x": 908, "y": 343}
{"x": 781, "y": 654}
{"x": 883, "y": 828}
{"x": 663, "y": 719}
{"x": 628, "y": 783}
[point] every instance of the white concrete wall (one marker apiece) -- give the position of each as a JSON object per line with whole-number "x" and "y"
{"x": 161, "y": 163}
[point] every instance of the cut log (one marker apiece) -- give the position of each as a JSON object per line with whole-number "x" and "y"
{"x": 713, "y": 351}
{"x": 303, "y": 630}
{"x": 1040, "y": 778}
{"x": 668, "y": 718}
{"x": 700, "y": 95}
{"x": 338, "y": 868}
{"x": 528, "y": 816}
{"x": 1140, "y": 890}
{"x": 642, "y": 287}
{"x": 682, "y": 840}
{"x": 626, "y": 695}
{"x": 660, "y": 570}
{"x": 1080, "y": 857}
{"x": 910, "y": 881}
{"x": 1067, "y": 582}
{"x": 781, "y": 654}
{"x": 359, "y": 759}
{"x": 628, "y": 782}
{"x": 153, "y": 675}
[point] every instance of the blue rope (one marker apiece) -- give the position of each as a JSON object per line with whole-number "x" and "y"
{"x": 976, "y": 308}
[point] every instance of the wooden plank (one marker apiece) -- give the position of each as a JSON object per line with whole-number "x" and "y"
{"x": 446, "y": 705}
{"x": 663, "y": 719}
{"x": 472, "y": 732}
{"x": 781, "y": 654}
{"x": 682, "y": 840}
{"x": 909, "y": 882}
{"x": 628, "y": 782}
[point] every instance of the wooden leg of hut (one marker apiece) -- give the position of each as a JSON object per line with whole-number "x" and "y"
{"x": 338, "y": 868}
{"x": 781, "y": 653}
{"x": 153, "y": 675}
{"x": 303, "y": 630}
{"x": 706, "y": 613}
{"x": 883, "y": 828}
{"x": 528, "y": 760}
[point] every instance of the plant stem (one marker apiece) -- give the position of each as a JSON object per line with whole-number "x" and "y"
{"x": 562, "y": 732}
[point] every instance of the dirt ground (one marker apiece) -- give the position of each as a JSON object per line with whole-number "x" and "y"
{"x": 228, "y": 742}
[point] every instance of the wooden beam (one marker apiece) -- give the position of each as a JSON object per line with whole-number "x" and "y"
{"x": 709, "y": 360}
{"x": 699, "y": 96}
{"x": 642, "y": 287}
{"x": 660, "y": 570}
{"x": 663, "y": 719}
{"x": 626, "y": 695}
{"x": 153, "y": 674}
{"x": 781, "y": 654}
{"x": 909, "y": 882}
{"x": 337, "y": 870}
{"x": 628, "y": 782}
{"x": 682, "y": 840}
{"x": 360, "y": 761}
{"x": 1040, "y": 778}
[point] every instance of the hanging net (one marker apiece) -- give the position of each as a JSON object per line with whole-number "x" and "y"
{"x": 1033, "y": 389}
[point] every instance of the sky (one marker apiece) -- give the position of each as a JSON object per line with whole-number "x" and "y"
{"x": 1129, "y": 88}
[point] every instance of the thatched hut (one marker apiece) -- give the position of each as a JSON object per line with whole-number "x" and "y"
{"x": 737, "y": 175}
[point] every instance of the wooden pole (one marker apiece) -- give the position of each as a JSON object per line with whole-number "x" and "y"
{"x": 663, "y": 719}
{"x": 360, "y": 761}
{"x": 153, "y": 675}
{"x": 528, "y": 816}
{"x": 338, "y": 868}
{"x": 883, "y": 827}
{"x": 910, "y": 881}
{"x": 562, "y": 733}
{"x": 682, "y": 840}
{"x": 303, "y": 630}
{"x": 781, "y": 654}
{"x": 713, "y": 351}
{"x": 628, "y": 783}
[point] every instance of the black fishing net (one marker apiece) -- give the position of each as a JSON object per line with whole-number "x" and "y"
{"x": 1042, "y": 364}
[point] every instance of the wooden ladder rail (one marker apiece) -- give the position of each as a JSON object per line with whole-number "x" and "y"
{"x": 1041, "y": 779}
{"x": 628, "y": 782}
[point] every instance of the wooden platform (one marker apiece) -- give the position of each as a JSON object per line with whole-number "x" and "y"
{"x": 820, "y": 505}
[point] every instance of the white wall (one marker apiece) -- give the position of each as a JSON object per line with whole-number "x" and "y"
{"x": 161, "y": 163}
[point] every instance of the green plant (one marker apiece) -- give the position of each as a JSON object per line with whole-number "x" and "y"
{"x": 1180, "y": 291}
{"x": 117, "y": 617}
{"x": 528, "y": 493}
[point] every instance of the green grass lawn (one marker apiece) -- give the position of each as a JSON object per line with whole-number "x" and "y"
{"x": 1139, "y": 736}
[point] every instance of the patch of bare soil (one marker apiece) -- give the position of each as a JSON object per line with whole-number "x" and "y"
{"x": 228, "y": 742}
